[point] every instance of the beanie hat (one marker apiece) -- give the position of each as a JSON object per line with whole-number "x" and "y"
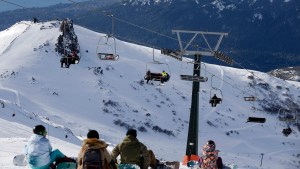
{"x": 210, "y": 146}
{"x": 93, "y": 134}
{"x": 131, "y": 132}
{"x": 39, "y": 130}
{"x": 211, "y": 142}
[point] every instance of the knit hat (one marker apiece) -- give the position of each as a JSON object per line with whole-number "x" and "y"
{"x": 93, "y": 134}
{"x": 131, "y": 132}
{"x": 210, "y": 146}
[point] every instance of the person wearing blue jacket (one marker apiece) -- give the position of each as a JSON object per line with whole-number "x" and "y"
{"x": 38, "y": 150}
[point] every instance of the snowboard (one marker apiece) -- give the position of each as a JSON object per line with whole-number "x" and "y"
{"x": 19, "y": 160}
{"x": 128, "y": 166}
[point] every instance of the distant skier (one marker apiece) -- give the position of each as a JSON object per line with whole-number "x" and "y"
{"x": 38, "y": 150}
{"x": 210, "y": 159}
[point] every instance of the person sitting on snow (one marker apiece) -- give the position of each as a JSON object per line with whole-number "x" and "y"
{"x": 132, "y": 151}
{"x": 38, "y": 150}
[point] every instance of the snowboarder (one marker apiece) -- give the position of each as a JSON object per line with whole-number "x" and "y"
{"x": 38, "y": 150}
{"x": 132, "y": 151}
{"x": 93, "y": 143}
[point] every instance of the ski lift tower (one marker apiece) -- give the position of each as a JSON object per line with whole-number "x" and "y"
{"x": 185, "y": 49}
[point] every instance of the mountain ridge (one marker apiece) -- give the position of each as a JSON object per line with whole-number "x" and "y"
{"x": 261, "y": 32}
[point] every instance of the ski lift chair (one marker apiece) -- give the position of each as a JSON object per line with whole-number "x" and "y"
{"x": 107, "y": 56}
{"x": 256, "y": 119}
{"x": 287, "y": 131}
{"x": 252, "y": 119}
{"x": 109, "y": 48}
{"x": 68, "y": 60}
{"x": 195, "y": 78}
{"x": 250, "y": 98}
{"x": 156, "y": 77}
{"x": 287, "y": 116}
{"x": 150, "y": 76}
{"x": 214, "y": 100}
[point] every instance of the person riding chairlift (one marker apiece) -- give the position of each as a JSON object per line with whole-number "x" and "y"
{"x": 74, "y": 54}
{"x": 164, "y": 76}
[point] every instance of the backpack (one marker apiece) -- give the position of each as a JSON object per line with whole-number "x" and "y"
{"x": 65, "y": 163}
{"x": 92, "y": 159}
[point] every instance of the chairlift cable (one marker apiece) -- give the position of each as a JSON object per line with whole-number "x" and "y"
{"x": 135, "y": 25}
{"x": 138, "y": 26}
{"x": 155, "y": 32}
{"x": 14, "y": 4}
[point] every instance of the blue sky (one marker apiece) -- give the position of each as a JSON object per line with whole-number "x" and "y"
{"x": 9, "y": 4}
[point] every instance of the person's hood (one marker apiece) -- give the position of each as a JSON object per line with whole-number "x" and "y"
{"x": 94, "y": 143}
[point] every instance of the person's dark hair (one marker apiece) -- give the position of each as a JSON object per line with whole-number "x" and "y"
{"x": 93, "y": 134}
{"x": 131, "y": 132}
{"x": 39, "y": 130}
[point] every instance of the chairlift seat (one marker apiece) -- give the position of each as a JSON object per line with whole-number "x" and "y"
{"x": 156, "y": 77}
{"x": 68, "y": 60}
{"x": 287, "y": 131}
{"x": 107, "y": 56}
{"x": 193, "y": 78}
{"x": 256, "y": 119}
{"x": 251, "y": 98}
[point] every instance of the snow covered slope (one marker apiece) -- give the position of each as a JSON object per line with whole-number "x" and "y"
{"x": 35, "y": 90}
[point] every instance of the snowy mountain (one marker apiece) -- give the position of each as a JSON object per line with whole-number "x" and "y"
{"x": 34, "y": 89}
{"x": 259, "y": 30}
{"x": 289, "y": 73}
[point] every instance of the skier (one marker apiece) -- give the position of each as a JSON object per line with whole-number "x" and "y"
{"x": 38, "y": 150}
